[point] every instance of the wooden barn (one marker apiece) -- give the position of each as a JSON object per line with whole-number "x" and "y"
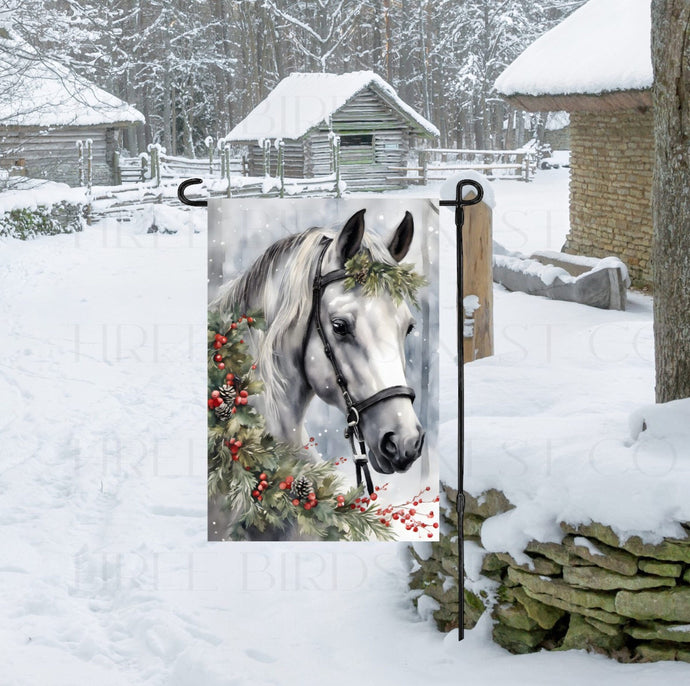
{"x": 596, "y": 65}
{"x": 46, "y": 108}
{"x": 376, "y": 129}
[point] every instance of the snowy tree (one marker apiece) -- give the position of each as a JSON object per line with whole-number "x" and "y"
{"x": 671, "y": 199}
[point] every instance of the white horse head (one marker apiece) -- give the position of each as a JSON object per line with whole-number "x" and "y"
{"x": 366, "y": 333}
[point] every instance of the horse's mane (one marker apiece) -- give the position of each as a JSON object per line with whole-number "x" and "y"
{"x": 280, "y": 280}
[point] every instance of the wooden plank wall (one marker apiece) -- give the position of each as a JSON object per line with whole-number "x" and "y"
{"x": 294, "y": 160}
{"x": 52, "y": 154}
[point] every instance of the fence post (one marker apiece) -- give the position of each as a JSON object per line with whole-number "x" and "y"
{"x": 281, "y": 167}
{"x": 221, "y": 148}
{"x": 335, "y": 150}
{"x": 116, "y": 168}
{"x": 142, "y": 158}
{"x": 424, "y": 159}
{"x": 80, "y": 162}
{"x": 209, "y": 145}
{"x": 226, "y": 155}
{"x": 89, "y": 163}
{"x": 267, "y": 157}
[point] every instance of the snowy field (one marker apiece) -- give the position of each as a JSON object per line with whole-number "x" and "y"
{"x": 105, "y": 574}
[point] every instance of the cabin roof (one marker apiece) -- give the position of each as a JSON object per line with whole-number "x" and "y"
{"x": 43, "y": 92}
{"x": 303, "y": 101}
{"x": 603, "y": 49}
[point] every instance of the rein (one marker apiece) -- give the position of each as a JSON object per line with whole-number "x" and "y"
{"x": 354, "y": 409}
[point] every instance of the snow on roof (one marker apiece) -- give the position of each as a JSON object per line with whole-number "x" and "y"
{"x": 47, "y": 93}
{"x": 302, "y": 101}
{"x": 604, "y": 46}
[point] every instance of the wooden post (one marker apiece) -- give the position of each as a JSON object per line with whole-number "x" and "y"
{"x": 477, "y": 248}
{"x": 89, "y": 163}
{"x": 80, "y": 161}
{"x": 226, "y": 157}
{"x": 209, "y": 145}
{"x": 424, "y": 160}
{"x": 116, "y": 168}
{"x": 221, "y": 147}
{"x": 335, "y": 151}
{"x": 267, "y": 157}
{"x": 142, "y": 157}
{"x": 281, "y": 167}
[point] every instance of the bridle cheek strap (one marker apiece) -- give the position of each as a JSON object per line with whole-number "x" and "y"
{"x": 354, "y": 409}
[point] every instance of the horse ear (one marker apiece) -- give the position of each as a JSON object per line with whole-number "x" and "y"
{"x": 402, "y": 238}
{"x": 349, "y": 239}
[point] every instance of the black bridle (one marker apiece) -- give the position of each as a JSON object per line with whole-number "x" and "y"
{"x": 354, "y": 409}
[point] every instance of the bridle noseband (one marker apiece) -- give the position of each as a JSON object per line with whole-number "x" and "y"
{"x": 354, "y": 409}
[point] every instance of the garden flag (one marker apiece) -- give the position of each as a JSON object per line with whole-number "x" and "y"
{"x": 323, "y": 400}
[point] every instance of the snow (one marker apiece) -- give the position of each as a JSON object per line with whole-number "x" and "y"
{"x": 47, "y": 93}
{"x": 603, "y": 46}
{"x": 555, "y": 121}
{"x": 105, "y": 573}
{"x": 302, "y": 101}
{"x": 586, "y": 543}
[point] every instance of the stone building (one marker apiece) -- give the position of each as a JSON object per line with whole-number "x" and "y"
{"x": 596, "y": 65}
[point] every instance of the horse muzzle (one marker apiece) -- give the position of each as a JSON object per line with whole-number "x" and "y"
{"x": 397, "y": 451}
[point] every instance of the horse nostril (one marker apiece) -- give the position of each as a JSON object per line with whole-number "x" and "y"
{"x": 414, "y": 448}
{"x": 389, "y": 447}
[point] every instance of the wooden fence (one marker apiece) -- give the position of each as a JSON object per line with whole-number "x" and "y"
{"x": 437, "y": 164}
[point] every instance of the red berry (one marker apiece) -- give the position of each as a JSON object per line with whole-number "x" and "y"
{"x": 352, "y": 507}
{"x": 250, "y": 320}
{"x": 218, "y": 336}
{"x": 295, "y": 502}
{"x": 221, "y": 365}
{"x": 311, "y": 496}
{"x": 253, "y": 366}
{"x": 289, "y": 479}
{"x": 239, "y": 445}
{"x": 223, "y": 340}
{"x": 230, "y": 377}
{"x": 430, "y": 535}
{"x": 234, "y": 409}
{"x": 357, "y": 500}
{"x": 260, "y": 487}
{"x": 307, "y": 506}
{"x": 217, "y": 345}
{"x": 241, "y": 340}
{"x": 341, "y": 498}
{"x": 235, "y": 457}
{"x": 435, "y": 525}
{"x": 282, "y": 485}
{"x": 314, "y": 503}
{"x": 259, "y": 497}
{"x": 430, "y": 515}
{"x": 244, "y": 401}
{"x": 395, "y": 516}
{"x": 218, "y": 401}
{"x": 339, "y": 504}
{"x": 238, "y": 401}
{"x": 415, "y": 529}
{"x": 211, "y": 404}
{"x": 244, "y": 394}
{"x": 264, "y": 484}
{"x": 373, "y": 496}
{"x": 413, "y": 512}
{"x": 233, "y": 326}
{"x": 217, "y": 357}
{"x": 262, "y": 476}
{"x": 256, "y": 493}
{"x": 428, "y": 488}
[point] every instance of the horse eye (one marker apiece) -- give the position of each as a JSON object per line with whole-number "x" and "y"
{"x": 340, "y": 327}
{"x": 410, "y": 329}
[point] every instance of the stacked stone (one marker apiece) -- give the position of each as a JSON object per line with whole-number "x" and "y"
{"x": 612, "y": 160}
{"x": 626, "y": 599}
{"x": 435, "y": 574}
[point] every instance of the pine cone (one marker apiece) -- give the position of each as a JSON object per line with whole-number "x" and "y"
{"x": 361, "y": 276}
{"x": 224, "y": 411}
{"x": 301, "y": 488}
{"x": 228, "y": 393}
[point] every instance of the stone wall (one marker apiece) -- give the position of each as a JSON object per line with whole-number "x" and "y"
{"x": 558, "y": 139}
{"x": 611, "y": 161}
{"x": 625, "y": 599}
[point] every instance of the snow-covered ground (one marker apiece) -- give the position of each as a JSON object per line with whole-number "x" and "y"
{"x": 105, "y": 574}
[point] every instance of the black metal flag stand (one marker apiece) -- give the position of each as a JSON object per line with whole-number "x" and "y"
{"x": 459, "y": 204}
